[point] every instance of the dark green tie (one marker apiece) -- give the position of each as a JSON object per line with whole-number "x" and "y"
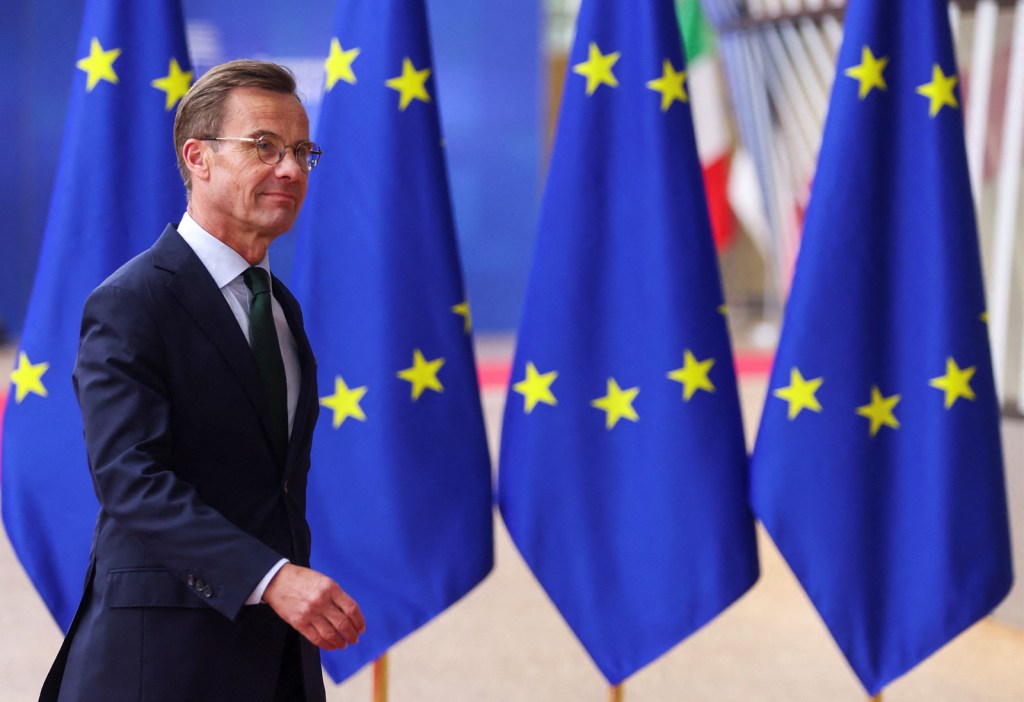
{"x": 263, "y": 340}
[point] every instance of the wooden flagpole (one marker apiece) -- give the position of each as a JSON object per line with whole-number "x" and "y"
{"x": 380, "y": 679}
{"x": 617, "y": 693}
{"x": 877, "y": 698}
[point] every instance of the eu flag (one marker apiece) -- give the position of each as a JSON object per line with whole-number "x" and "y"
{"x": 117, "y": 187}
{"x": 623, "y": 473}
{"x": 400, "y": 491}
{"x": 878, "y": 468}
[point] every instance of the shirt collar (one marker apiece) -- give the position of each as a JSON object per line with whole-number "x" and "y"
{"x": 223, "y": 262}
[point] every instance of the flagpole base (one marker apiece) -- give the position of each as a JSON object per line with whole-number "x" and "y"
{"x": 380, "y": 679}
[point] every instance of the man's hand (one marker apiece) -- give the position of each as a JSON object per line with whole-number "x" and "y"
{"x": 315, "y": 606}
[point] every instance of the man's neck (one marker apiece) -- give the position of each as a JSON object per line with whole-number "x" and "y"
{"x": 249, "y": 245}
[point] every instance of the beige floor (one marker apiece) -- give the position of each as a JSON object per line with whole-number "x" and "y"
{"x": 505, "y": 642}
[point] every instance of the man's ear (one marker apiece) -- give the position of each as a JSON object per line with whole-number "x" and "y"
{"x": 196, "y": 157}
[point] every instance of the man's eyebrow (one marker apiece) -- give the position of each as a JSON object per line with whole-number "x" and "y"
{"x": 257, "y": 133}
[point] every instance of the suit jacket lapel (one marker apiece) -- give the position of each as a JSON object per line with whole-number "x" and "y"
{"x": 307, "y": 407}
{"x": 192, "y": 285}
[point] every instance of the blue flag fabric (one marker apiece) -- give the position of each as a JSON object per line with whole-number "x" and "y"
{"x": 623, "y": 473}
{"x": 117, "y": 187}
{"x": 400, "y": 491}
{"x": 878, "y": 467}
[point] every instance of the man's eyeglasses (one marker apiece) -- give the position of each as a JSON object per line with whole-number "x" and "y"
{"x": 270, "y": 148}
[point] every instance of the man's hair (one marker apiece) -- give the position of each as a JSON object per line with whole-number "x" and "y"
{"x": 201, "y": 112}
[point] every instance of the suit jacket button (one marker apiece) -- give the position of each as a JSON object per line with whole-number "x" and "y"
{"x": 207, "y": 591}
{"x": 285, "y": 487}
{"x": 190, "y": 580}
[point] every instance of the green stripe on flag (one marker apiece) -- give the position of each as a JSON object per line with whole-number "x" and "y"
{"x": 698, "y": 35}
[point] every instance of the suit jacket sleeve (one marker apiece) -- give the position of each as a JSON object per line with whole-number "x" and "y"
{"x": 120, "y": 380}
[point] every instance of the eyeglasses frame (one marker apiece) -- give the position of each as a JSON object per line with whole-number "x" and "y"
{"x": 316, "y": 151}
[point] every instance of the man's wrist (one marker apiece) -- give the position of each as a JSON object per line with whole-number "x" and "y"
{"x": 256, "y": 597}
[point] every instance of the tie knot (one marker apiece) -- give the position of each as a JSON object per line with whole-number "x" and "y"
{"x": 256, "y": 280}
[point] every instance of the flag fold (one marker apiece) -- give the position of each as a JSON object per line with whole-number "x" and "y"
{"x": 878, "y": 465}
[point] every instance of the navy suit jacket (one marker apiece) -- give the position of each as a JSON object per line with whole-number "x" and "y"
{"x": 195, "y": 507}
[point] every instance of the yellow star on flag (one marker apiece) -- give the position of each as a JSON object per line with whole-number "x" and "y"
{"x": 462, "y": 309}
{"x": 344, "y": 402}
{"x": 956, "y": 383}
{"x": 422, "y": 374}
{"x": 339, "y": 64}
{"x": 880, "y": 410}
{"x": 939, "y": 91}
{"x": 412, "y": 84}
{"x": 536, "y": 387}
{"x": 868, "y": 72}
{"x": 598, "y": 69}
{"x": 99, "y": 64}
{"x": 617, "y": 404}
{"x": 670, "y": 85}
{"x": 28, "y": 377}
{"x": 693, "y": 375}
{"x": 175, "y": 84}
{"x": 800, "y": 393}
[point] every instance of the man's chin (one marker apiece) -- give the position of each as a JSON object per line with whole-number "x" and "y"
{"x": 276, "y": 226}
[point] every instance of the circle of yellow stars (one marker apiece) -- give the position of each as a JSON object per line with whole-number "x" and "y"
{"x": 880, "y": 411}
{"x": 617, "y": 402}
{"x": 599, "y": 69}
{"x": 422, "y": 375}
{"x": 410, "y": 83}
{"x": 99, "y": 66}
{"x": 870, "y": 75}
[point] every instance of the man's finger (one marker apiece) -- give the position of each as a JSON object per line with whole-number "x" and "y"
{"x": 343, "y": 624}
{"x": 351, "y": 610}
{"x": 323, "y": 635}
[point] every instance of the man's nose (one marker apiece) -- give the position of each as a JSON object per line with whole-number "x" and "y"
{"x": 289, "y": 166}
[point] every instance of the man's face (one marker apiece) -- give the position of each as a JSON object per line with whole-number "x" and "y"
{"x": 249, "y": 197}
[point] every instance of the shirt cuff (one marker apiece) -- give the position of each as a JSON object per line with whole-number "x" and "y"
{"x": 257, "y": 595}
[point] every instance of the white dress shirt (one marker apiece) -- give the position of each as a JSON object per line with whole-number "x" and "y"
{"x": 226, "y": 266}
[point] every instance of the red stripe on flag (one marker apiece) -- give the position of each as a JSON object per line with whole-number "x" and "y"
{"x": 716, "y": 184}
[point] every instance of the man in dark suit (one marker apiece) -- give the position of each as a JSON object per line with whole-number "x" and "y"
{"x": 198, "y": 394}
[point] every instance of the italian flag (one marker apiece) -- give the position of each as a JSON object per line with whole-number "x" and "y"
{"x": 711, "y": 116}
